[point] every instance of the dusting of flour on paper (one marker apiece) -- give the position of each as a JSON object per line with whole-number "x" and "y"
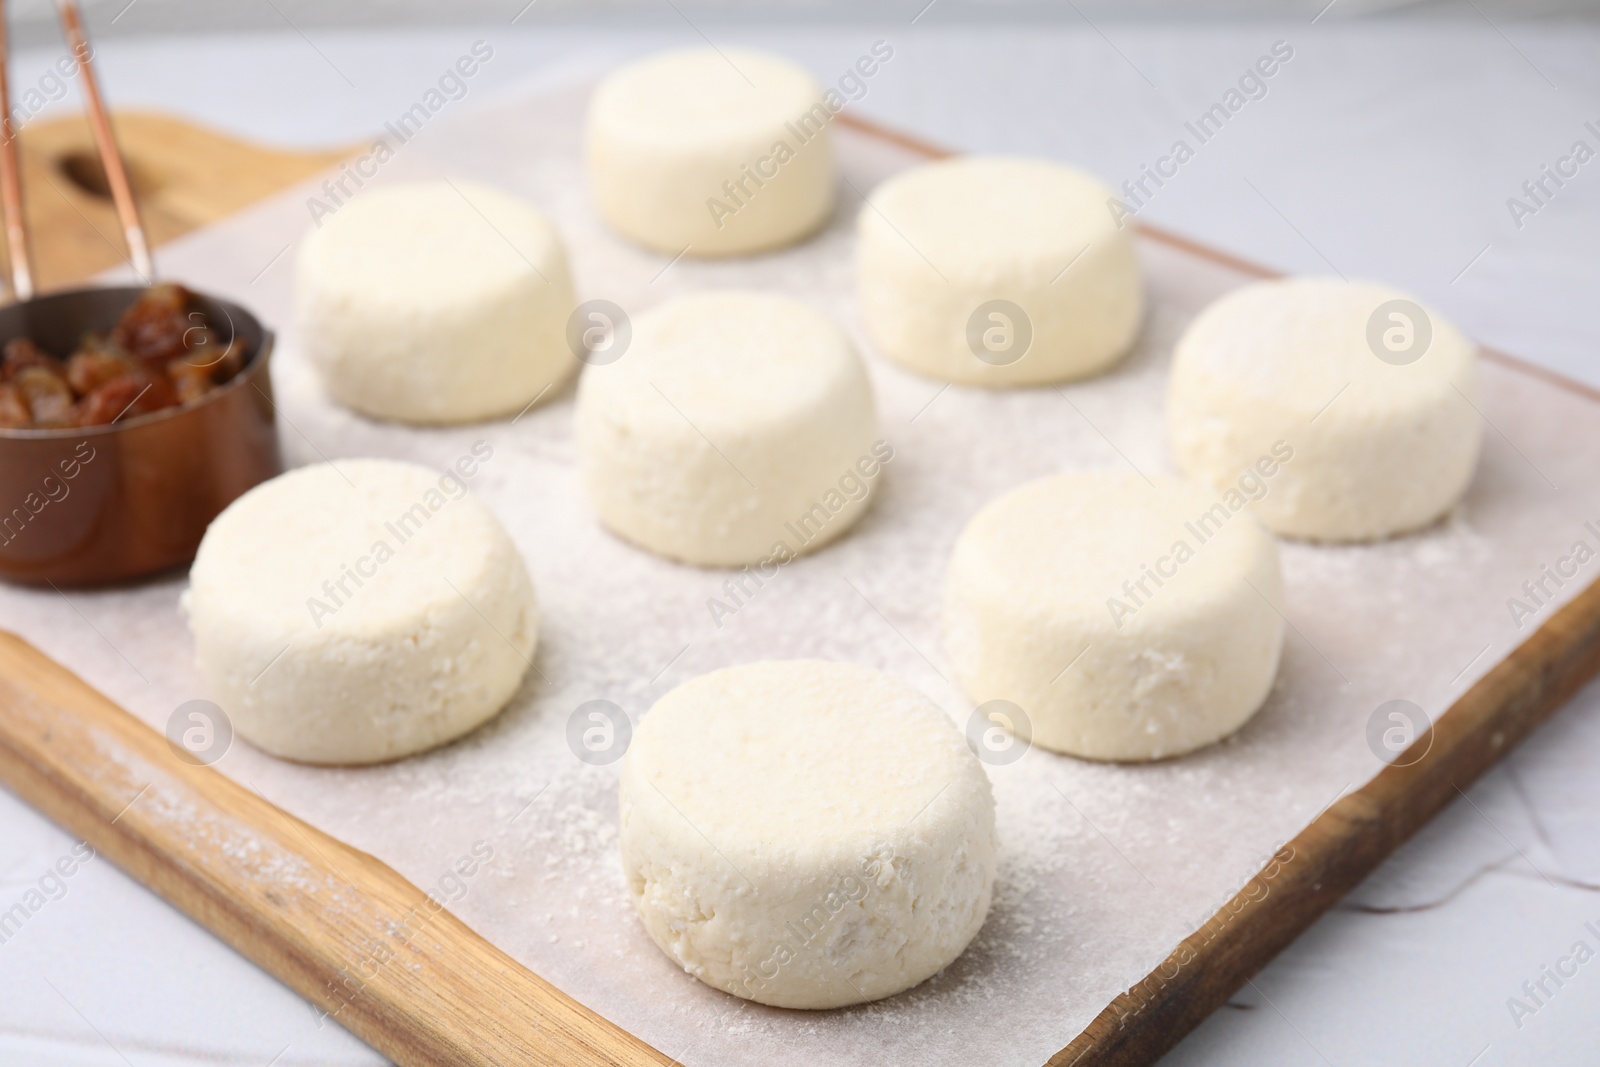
{"x": 1102, "y": 868}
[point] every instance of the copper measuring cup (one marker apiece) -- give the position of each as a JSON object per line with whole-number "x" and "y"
{"x": 107, "y": 503}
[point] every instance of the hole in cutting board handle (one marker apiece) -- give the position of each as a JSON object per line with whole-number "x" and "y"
{"x": 82, "y": 168}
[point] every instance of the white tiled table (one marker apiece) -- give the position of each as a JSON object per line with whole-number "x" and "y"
{"x": 1386, "y": 149}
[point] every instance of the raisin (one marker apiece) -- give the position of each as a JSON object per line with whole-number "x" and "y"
{"x": 22, "y": 353}
{"x": 126, "y": 397}
{"x": 49, "y": 396}
{"x": 157, "y": 327}
{"x": 14, "y": 413}
{"x": 190, "y": 381}
{"x": 90, "y": 368}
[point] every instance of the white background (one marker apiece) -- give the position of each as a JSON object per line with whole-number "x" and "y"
{"x": 1384, "y": 149}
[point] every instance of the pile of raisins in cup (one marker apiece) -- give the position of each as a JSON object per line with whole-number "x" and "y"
{"x": 161, "y": 354}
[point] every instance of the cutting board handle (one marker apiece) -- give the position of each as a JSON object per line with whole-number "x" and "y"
{"x": 348, "y": 933}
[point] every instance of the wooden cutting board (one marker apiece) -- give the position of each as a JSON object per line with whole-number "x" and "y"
{"x": 185, "y": 177}
{"x": 394, "y": 966}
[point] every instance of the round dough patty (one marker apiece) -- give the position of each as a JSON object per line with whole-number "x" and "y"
{"x": 1380, "y": 411}
{"x": 711, "y": 153}
{"x": 737, "y": 428}
{"x": 360, "y": 612}
{"x": 806, "y": 834}
{"x": 436, "y": 302}
{"x": 1127, "y": 621}
{"x": 997, "y": 272}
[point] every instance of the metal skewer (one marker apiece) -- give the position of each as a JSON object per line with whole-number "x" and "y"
{"x": 11, "y": 179}
{"x": 106, "y": 141}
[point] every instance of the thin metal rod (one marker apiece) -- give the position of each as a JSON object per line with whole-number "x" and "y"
{"x": 106, "y": 141}
{"x": 11, "y": 178}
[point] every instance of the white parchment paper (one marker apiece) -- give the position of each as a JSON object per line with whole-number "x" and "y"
{"x": 1103, "y": 869}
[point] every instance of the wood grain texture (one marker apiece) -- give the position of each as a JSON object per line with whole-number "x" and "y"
{"x": 383, "y": 958}
{"x": 185, "y": 177}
